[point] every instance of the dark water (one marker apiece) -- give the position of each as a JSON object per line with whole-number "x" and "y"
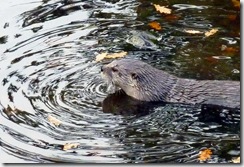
{"x": 47, "y": 70}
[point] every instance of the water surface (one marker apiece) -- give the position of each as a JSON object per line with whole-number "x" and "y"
{"x": 47, "y": 70}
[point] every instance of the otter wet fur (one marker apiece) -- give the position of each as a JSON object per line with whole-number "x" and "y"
{"x": 146, "y": 83}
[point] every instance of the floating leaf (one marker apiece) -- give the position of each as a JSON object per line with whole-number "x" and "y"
{"x": 69, "y": 146}
{"x": 229, "y": 49}
{"x": 102, "y": 56}
{"x": 211, "y": 59}
{"x": 232, "y": 17}
{"x": 193, "y": 31}
{"x": 11, "y": 110}
{"x": 211, "y": 32}
{"x": 205, "y": 154}
{"x": 162, "y": 9}
{"x": 155, "y": 25}
{"x": 236, "y": 160}
{"x": 116, "y": 55}
{"x": 236, "y": 3}
{"x": 53, "y": 120}
{"x": 172, "y": 17}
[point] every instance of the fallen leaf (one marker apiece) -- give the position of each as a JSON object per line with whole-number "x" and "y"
{"x": 232, "y": 17}
{"x": 102, "y": 56}
{"x": 155, "y": 25}
{"x": 211, "y": 32}
{"x": 162, "y": 9}
{"x": 53, "y": 120}
{"x": 116, "y": 55}
{"x": 228, "y": 49}
{"x": 211, "y": 59}
{"x": 172, "y": 17}
{"x": 69, "y": 146}
{"x": 193, "y": 31}
{"x": 236, "y": 160}
{"x": 236, "y": 3}
{"x": 11, "y": 110}
{"x": 205, "y": 154}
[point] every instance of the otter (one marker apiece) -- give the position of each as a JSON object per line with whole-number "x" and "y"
{"x": 146, "y": 83}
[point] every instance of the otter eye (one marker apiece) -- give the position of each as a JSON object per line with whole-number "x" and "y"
{"x": 114, "y": 69}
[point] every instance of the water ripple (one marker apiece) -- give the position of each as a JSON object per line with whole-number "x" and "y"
{"x": 48, "y": 73}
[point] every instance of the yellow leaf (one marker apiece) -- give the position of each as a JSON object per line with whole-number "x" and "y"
{"x": 193, "y": 31}
{"x": 236, "y": 160}
{"x": 53, "y": 120}
{"x": 69, "y": 146}
{"x": 102, "y": 56}
{"x": 205, "y": 154}
{"x": 116, "y": 55}
{"x": 162, "y": 9}
{"x": 211, "y": 32}
{"x": 155, "y": 25}
{"x": 236, "y": 3}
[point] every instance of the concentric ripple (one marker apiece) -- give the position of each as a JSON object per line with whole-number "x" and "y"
{"x": 63, "y": 86}
{"x": 52, "y": 95}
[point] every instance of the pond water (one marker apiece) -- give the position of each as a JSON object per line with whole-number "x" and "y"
{"x": 52, "y": 94}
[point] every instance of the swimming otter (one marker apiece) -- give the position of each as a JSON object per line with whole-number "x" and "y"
{"x": 146, "y": 83}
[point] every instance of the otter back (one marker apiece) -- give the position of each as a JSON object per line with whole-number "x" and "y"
{"x": 215, "y": 92}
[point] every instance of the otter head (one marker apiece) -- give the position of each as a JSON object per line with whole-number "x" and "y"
{"x": 136, "y": 78}
{"x": 121, "y": 74}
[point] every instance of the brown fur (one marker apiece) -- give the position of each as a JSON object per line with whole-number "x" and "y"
{"x": 146, "y": 83}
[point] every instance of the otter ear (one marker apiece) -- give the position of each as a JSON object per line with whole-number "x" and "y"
{"x": 134, "y": 75}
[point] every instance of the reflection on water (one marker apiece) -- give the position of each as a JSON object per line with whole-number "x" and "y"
{"x": 47, "y": 69}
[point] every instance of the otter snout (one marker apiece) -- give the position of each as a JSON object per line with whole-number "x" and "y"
{"x": 105, "y": 70}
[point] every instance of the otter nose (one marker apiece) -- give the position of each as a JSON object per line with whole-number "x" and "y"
{"x": 102, "y": 68}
